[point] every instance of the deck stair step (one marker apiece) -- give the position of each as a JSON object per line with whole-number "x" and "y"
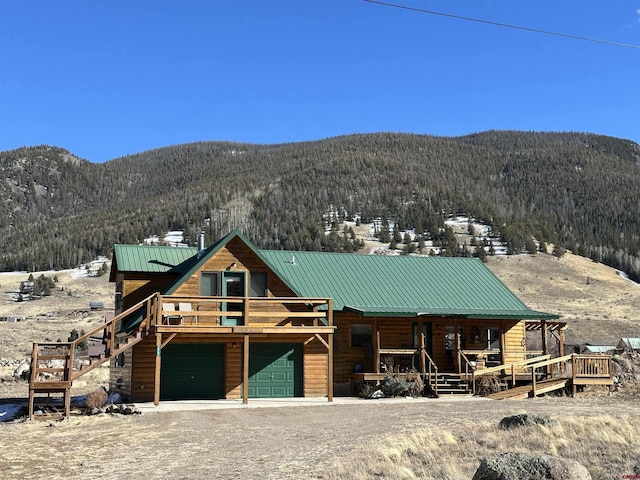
{"x": 452, "y": 384}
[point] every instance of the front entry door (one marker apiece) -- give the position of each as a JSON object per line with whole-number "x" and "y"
{"x": 233, "y": 285}
{"x": 428, "y": 341}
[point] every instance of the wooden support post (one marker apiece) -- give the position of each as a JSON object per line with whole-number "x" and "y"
{"x": 545, "y": 346}
{"x": 533, "y": 381}
{"x": 376, "y": 347}
{"x": 513, "y": 375}
{"x": 33, "y": 377}
{"x": 330, "y": 353}
{"x": 31, "y": 400}
{"x": 245, "y": 370}
{"x": 458, "y": 359}
{"x": 503, "y": 345}
{"x": 67, "y": 402}
{"x": 423, "y": 359}
{"x": 330, "y": 370}
{"x": 563, "y": 366}
{"x": 156, "y": 383}
{"x": 574, "y": 373}
{"x": 245, "y": 311}
{"x": 423, "y": 356}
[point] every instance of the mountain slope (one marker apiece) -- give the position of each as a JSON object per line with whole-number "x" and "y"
{"x": 576, "y": 190}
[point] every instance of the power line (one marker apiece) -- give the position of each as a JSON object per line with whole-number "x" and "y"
{"x": 506, "y": 25}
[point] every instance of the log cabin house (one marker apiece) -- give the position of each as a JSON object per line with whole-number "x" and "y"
{"x": 235, "y": 322}
{"x": 364, "y": 315}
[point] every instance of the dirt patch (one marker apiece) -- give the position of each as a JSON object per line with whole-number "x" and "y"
{"x": 293, "y": 442}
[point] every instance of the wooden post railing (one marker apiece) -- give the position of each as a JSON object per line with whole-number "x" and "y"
{"x": 468, "y": 368}
{"x": 433, "y": 371}
{"x": 510, "y": 366}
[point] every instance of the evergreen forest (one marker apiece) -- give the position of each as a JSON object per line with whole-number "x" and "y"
{"x": 577, "y": 191}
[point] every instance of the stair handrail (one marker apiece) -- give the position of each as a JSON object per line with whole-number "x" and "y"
{"x": 547, "y": 363}
{"x": 467, "y": 364}
{"x": 512, "y": 366}
{"x": 71, "y": 345}
{"x": 505, "y": 366}
{"x": 432, "y": 367}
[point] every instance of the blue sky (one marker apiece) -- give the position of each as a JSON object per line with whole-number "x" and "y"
{"x": 107, "y": 78}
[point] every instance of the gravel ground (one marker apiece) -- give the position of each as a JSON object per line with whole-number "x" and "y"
{"x": 250, "y": 443}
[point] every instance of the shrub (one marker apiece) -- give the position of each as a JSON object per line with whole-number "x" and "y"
{"x": 487, "y": 384}
{"x": 97, "y": 398}
{"x": 412, "y": 385}
{"x": 366, "y": 390}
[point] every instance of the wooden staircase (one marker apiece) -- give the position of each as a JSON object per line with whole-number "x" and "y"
{"x": 55, "y": 365}
{"x": 452, "y": 384}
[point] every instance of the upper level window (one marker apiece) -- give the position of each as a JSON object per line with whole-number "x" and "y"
{"x": 210, "y": 284}
{"x": 258, "y": 287}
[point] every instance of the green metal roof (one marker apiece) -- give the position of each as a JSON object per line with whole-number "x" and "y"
{"x": 151, "y": 258}
{"x": 401, "y": 285}
{"x": 371, "y": 285}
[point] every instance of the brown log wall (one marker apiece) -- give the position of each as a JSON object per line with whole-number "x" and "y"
{"x": 137, "y": 287}
{"x": 315, "y": 365}
{"x": 239, "y": 253}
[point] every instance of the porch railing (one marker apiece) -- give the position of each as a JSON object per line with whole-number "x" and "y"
{"x": 591, "y": 366}
{"x": 585, "y": 369}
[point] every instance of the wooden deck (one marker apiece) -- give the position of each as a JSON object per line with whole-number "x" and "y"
{"x": 54, "y": 365}
{"x": 550, "y": 374}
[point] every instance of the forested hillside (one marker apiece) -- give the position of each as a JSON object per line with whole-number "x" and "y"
{"x": 578, "y": 191}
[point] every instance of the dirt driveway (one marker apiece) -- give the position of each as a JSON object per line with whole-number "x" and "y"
{"x": 249, "y": 443}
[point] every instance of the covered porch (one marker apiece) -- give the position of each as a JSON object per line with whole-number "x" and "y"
{"x": 443, "y": 350}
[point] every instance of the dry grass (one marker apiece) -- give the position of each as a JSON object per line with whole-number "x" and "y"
{"x": 605, "y": 445}
{"x": 50, "y": 318}
{"x": 597, "y": 303}
{"x": 400, "y": 438}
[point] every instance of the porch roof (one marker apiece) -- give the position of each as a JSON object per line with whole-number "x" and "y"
{"x": 400, "y": 285}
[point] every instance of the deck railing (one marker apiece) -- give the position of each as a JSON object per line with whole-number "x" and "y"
{"x": 192, "y": 311}
{"x": 585, "y": 369}
{"x": 61, "y": 361}
{"x": 66, "y": 361}
{"x": 592, "y": 366}
{"x": 54, "y": 365}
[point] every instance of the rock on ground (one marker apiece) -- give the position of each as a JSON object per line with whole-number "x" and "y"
{"x": 526, "y": 419}
{"x": 527, "y": 466}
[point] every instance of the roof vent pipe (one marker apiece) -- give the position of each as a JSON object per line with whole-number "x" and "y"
{"x": 201, "y": 241}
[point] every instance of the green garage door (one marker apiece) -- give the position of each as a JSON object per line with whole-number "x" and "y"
{"x": 192, "y": 371}
{"x": 275, "y": 370}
